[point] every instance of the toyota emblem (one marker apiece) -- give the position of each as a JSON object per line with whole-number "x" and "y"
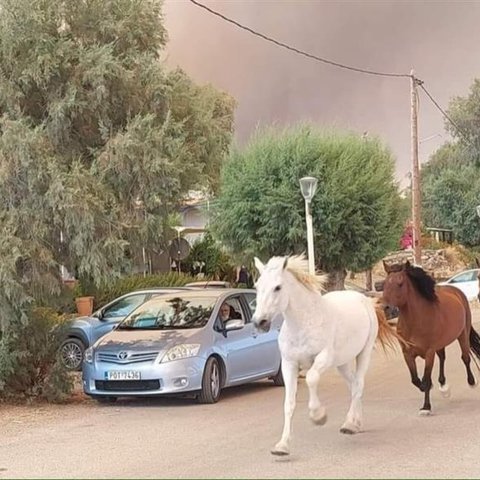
{"x": 122, "y": 355}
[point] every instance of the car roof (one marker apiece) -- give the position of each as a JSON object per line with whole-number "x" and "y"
{"x": 360, "y": 289}
{"x": 209, "y": 284}
{"x": 211, "y": 292}
{"x": 353, "y": 286}
{"x": 208, "y": 292}
{"x": 159, "y": 289}
{"x": 465, "y": 271}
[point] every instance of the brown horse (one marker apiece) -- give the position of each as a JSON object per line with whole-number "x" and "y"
{"x": 430, "y": 319}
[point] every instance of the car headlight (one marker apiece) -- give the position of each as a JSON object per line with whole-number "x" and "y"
{"x": 88, "y": 355}
{"x": 177, "y": 352}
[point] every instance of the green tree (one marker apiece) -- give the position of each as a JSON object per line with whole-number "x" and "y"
{"x": 356, "y": 210}
{"x": 98, "y": 140}
{"x": 451, "y": 178}
{"x": 450, "y": 194}
{"x": 465, "y": 112}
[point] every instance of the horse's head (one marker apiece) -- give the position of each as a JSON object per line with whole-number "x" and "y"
{"x": 395, "y": 288}
{"x": 271, "y": 298}
{"x": 405, "y": 282}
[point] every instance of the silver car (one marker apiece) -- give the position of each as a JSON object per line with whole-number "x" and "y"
{"x": 178, "y": 344}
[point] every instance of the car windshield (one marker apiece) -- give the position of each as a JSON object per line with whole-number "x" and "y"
{"x": 170, "y": 313}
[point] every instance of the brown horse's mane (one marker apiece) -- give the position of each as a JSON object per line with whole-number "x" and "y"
{"x": 423, "y": 283}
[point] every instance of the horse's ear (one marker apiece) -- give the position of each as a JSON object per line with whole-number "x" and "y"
{"x": 386, "y": 267}
{"x": 285, "y": 263}
{"x": 259, "y": 265}
{"x": 477, "y": 261}
{"x": 407, "y": 265}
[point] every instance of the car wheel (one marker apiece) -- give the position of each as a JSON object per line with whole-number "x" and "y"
{"x": 71, "y": 353}
{"x": 278, "y": 378}
{"x": 105, "y": 399}
{"x": 211, "y": 382}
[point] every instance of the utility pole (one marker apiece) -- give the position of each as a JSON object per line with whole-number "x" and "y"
{"x": 368, "y": 273}
{"x": 416, "y": 205}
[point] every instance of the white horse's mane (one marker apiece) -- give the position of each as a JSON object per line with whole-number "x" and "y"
{"x": 297, "y": 265}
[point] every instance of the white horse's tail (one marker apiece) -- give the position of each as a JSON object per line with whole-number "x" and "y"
{"x": 387, "y": 335}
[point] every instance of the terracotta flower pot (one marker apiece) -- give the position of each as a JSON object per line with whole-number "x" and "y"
{"x": 84, "y": 305}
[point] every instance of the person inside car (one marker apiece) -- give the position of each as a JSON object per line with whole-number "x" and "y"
{"x": 226, "y": 313}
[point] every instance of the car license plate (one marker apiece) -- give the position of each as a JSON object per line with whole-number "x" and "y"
{"x": 122, "y": 375}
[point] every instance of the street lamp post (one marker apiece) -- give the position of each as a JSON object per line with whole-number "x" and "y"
{"x": 140, "y": 207}
{"x": 308, "y": 186}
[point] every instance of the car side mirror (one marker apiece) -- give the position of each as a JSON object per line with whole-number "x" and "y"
{"x": 235, "y": 324}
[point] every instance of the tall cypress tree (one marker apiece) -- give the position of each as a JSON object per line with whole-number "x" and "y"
{"x": 92, "y": 126}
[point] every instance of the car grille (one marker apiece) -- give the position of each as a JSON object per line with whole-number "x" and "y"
{"x": 127, "y": 385}
{"x": 108, "y": 357}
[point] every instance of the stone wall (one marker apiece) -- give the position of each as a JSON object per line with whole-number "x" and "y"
{"x": 441, "y": 264}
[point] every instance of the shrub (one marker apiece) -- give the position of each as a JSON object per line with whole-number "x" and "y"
{"x": 429, "y": 242}
{"x": 216, "y": 262}
{"x": 63, "y": 303}
{"x": 30, "y": 366}
{"x": 467, "y": 255}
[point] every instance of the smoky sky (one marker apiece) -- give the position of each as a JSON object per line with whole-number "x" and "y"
{"x": 440, "y": 40}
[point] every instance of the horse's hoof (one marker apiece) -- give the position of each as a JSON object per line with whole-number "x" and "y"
{"x": 321, "y": 421}
{"x": 445, "y": 390}
{"x": 349, "y": 429}
{"x": 279, "y": 453}
{"x": 280, "y": 450}
{"x": 319, "y": 417}
{"x": 425, "y": 413}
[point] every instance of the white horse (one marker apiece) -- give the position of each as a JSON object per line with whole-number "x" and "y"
{"x": 318, "y": 332}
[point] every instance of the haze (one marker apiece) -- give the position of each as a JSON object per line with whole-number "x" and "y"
{"x": 438, "y": 39}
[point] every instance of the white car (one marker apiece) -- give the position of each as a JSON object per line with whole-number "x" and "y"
{"x": 466, "y": 281}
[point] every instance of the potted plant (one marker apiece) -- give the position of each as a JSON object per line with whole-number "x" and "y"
{"x": 83, "y": 297}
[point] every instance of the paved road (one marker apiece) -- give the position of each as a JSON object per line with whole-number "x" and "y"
{"x": 177, "y": 438}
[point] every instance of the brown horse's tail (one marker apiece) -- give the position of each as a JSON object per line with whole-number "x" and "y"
{"x": 475, "y": 343}
{"x": 387, "y": 335}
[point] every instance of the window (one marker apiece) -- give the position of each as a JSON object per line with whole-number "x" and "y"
{"x": 465, "y": 277}
{"x": 125, "y": 306}
{"x": 252, "y": 301}
{"x": 230, "y": 309}
{"x": 169, "y": 312}
{"x": 235, "y": 308}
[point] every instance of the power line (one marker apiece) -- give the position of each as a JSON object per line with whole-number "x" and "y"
{"x": 332, "y": 63}
{"x": 296, "y": 50}
{"x": 444, "y": 113}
